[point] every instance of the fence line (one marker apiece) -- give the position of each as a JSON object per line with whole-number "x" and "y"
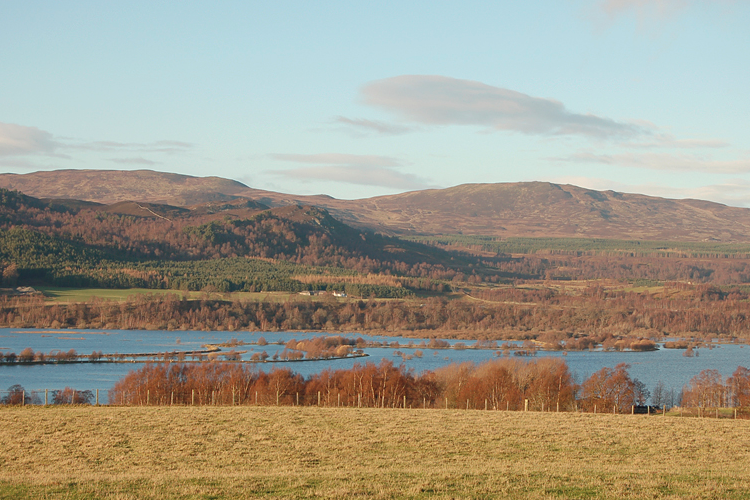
{"x": 329, "y": 399}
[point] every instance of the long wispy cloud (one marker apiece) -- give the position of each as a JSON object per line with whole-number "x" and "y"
{"x": 441, "y": 100}
{"x": 365, "y": 170}
{"x": 652, "y": 15}
{"x": 646, "y": 8}
{"x": 661, "y": 161}
{"x": 18, "y": 140}
{"x": 133, "y": 161}
{"x": 147, "y": 147}
{"x": 364, "y": 126}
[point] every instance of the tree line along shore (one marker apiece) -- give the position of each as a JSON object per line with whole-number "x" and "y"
{"x": 592, "y": 317}
{"x": 543, "y": 384}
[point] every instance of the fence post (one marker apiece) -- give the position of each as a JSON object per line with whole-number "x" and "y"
{"x": 256, "y": 398}
{"x": 298, "y": 399}
{"x": 558, "y": 407}
{"x": 424, "y": 403}
{"x": 525, "y": 405}
{"x": 318, "y": 398}
{"x": 277, "y": 398}
{"x": 148, "y": 396}
{"x": 192, "y": 398}
{"x": 23, "y": 398}
{"x": 594, "y": 409}
{"x": 632, "y": 409}
{"x": 73, "y": 401}
{"x": 485, "y": 404}
{"x": 735, "y": 413}
{"x": 467, "y": 404}
{"x": 359, "y": 400}
{"x": 46, "y": 391}
{"x": 404, "y": 401}
{"x": 446, "y": 403}
{"x": 171, "y": 399}
{"x": 97, "y": 397}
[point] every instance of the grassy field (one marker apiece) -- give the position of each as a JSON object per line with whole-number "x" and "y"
{"x": 288, "y": 452}
{"x": 70, "y": 295}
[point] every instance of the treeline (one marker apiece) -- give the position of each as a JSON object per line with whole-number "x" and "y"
{"x": 595, "y": 317}
{"x": 503, "y": 384}
{"x": 17, "y": 395}
{"x": 709, "y": 389}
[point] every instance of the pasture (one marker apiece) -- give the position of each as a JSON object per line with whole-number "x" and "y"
{"x": 302, "y": 452}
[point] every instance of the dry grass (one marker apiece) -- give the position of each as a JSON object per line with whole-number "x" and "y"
{"x": 288, "y": 452}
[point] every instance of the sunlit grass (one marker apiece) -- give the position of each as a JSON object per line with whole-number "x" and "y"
{"x": 71, "y": 295}
{"x": 292, "y": 452}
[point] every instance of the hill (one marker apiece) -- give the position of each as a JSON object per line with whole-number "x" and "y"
{"x": 529, "y": 209}
{"x": 112, "y": 186}
{"x": 226, "y": 246}
{"x": 541, "y": 209}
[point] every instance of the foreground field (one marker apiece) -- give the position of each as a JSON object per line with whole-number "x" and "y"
{"x": 299, "y": 452}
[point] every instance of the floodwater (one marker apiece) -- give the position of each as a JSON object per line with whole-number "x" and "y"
{"x": 666, "y": 365}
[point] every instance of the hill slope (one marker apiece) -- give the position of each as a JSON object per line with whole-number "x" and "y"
{"x": 531, "y": 209}
{"x": 541, "y": 209}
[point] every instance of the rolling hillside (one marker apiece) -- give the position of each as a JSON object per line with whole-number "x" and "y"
{"x": 534, "y": 209}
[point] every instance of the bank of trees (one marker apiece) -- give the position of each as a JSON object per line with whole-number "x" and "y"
{"x": 613, "y": 320}
{"x": 543, "y": 384}
{"x": 499, "y": 384}
{"x": 709, "y": 390}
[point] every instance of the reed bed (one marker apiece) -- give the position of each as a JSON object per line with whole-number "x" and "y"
{"x": 304, "y": 452}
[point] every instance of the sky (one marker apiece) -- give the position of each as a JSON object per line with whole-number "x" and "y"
{"x": 361, "y": 99}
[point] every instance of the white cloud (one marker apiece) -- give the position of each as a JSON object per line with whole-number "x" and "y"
{"x": 17, "y": 140}
{"x": 669, "y": 141}
{"x": 133, "y": 161}
{"x": 149, "y": 147}
{"x": 646, "y": 8}
{"x": 440, "y": 100}
{"x": 340, "y": 159}
{"x": 379, "y": 127}
{"x": 661, "y": 161}
{"x": 653, "y": 15}
{"x": 365, "y": 176}
{"x": 365, "y": 170}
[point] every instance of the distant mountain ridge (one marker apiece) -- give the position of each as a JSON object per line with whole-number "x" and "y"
{"x": 528, "y": 209}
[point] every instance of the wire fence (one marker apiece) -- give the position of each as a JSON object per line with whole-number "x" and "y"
{"x": 234, "y": 397}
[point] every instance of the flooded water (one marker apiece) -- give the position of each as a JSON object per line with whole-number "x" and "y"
{"x": 666, "y": 365}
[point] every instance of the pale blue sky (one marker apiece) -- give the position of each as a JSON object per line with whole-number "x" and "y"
{"x": 358, "y": 99}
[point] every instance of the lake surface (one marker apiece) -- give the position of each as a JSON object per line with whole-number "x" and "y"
{"x": 666, "y": 365}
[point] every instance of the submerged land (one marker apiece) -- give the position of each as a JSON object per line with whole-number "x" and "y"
{"x": 300, "y": 452}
